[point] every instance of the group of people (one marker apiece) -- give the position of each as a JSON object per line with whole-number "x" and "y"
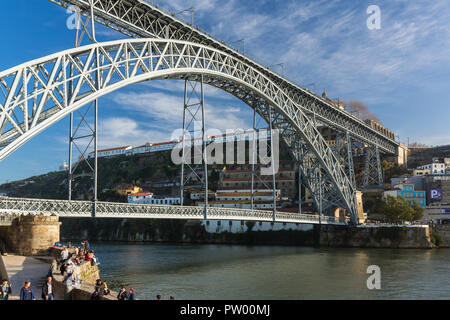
{"x": 81, "y": 254}
{"x": 70, "y": 271}
{"x": 124, "y": 295}
{"x": 68, "y": 265}
{"x": 26, "y": 292}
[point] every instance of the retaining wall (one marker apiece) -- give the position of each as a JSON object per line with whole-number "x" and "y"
{"x": 397, "y": 237}
{"x": 31, "y": 235}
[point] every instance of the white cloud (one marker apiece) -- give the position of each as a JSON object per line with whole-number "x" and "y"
{"x": 177, "y": 86}
{"x": 164, "y": 111}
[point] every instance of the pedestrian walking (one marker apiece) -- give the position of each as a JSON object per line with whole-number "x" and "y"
{"x": 47, "y": 290}
{"x": 6, "y": 290}
{"x": 26, "y": 293}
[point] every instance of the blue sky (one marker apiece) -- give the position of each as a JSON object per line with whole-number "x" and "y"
{"x": 402, "y": 71}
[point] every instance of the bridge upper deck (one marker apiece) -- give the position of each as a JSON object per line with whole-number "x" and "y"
{"x": 137, "y": 18}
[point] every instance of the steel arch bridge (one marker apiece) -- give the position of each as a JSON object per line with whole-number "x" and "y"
{"x": 87, "y": 209}
{"x": 37, "y": 94}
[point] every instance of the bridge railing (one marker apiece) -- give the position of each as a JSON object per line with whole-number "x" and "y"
{"x": 43, "y": 206}
{"x": 66, "y": 208}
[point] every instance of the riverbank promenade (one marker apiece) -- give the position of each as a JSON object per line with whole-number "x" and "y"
{"x": 21, "y": 269}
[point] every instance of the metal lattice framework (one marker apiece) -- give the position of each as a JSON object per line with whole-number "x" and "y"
{"x": 140, "y": 19}
{"x": 34, "y": 95}
{"x": 81, "y": 209}
{"x": 373, "y": 174}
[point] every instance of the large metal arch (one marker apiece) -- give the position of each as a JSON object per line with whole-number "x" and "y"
{"x": 138, "y": 60}
{"x": 142, "y": 19}
{"x": 297, "y": 149}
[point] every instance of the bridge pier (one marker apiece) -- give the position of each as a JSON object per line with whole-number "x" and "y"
{"x": 31, "y": 235}
{"x": 316, "y": 235}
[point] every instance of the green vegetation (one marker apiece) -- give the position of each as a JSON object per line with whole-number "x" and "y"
{"x": 392, "y": 170}
{"x": 113, "y": 173}
{"x": 436, "y": 238}
{"x": 399, "y": 210}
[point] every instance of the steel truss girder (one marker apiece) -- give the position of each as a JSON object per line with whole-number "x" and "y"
{"x": 194, "y": 115}
{"x": 373, "y": 174}
{"x": 343, "y": 150}
{"x": 80, "y": 209}
{"x": 257, "y": 161}
{"x": 142, "y": 20}
{"x": 125, "y": 62}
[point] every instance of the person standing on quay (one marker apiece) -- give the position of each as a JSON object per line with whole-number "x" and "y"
{"x": 86, "y": 245}
{"x": 6, "y": 291}
{"x": 26, "y": 293}
{"x": 131, "y": 294}
{"x": 99, "y": 290}
{"x": 123, "y": 295}
{"x": 64, "y": 255}
{"x": 87, "y": 256}
{"x": 53, "y": 269}
{"x": 68, "y": 280}
{"x": 47, "y": 290}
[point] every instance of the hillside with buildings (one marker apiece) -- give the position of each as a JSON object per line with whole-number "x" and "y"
{"x": 422, "y": 155}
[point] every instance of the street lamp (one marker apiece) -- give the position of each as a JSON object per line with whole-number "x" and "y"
{"x": 243, "y": 44}
{"x": 191, "y": 9}
{"x": 312, "y": 84}
{"x": 279, "y": 65}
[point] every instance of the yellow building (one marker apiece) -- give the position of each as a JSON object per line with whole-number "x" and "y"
{"x": 129, "y": 190}
{"x": 421, "y": 172}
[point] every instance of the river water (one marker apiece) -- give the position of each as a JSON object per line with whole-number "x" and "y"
{"x": 271, "y": 272}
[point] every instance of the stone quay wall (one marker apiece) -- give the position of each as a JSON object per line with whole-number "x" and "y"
{"x": 396, "y": 237}
{"x": 88, "y": 274}
{"x": 31, "y": 235}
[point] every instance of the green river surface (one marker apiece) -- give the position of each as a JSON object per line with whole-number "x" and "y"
{"x": 191, "y": 272}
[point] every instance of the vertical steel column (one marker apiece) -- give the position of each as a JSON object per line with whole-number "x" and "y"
{"x": 320, "y": 194}
{"x": 70, "y": 93}
{"x": 98, "y": 86}
{"x": 300, "y": 166}
{"x": 373, "y": 175}
{"x": 272, "y": 165}
{"x": 299, "y": 188}
{"x": 187, "y": 124}
{"x": 70, "y": 149}
{"x": 351, "y": 167}
{"x": 72, "y": 137}
{"x": 204, "y": 155}
{"x": 252, "y": 196}
{"x": 183, "y": 160}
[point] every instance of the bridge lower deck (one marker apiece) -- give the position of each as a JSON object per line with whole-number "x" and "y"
{"x": 80, "y": 209}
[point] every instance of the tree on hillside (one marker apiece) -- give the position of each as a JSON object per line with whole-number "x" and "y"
{"x": 418, "y": 211}
{"x": 398, "y": 210}
{"x": 392, "y": 170}
{"x": 360, "y": 110}
{"x": 417, "y": 145}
